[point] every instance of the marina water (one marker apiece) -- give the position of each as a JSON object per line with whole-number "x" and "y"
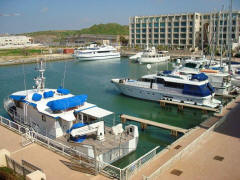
{"x": 93, "y": 78}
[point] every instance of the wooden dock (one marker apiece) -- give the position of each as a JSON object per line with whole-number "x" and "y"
{"x": 182, "y": 105}
{"x": 144, "y": 123}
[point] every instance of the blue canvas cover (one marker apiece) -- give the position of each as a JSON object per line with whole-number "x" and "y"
{"x": 63, "y": 91}
{"x": 48, "y": 94}
{"x": 167, "y": 72}
{"x": 17, "y": 97}
{"x": 193, "y": 90}
{"x": 66, "y": 103}
{"x": 200, "y": 77}
{"x": 36, "y": 97}
{"x": 75, "y": 126}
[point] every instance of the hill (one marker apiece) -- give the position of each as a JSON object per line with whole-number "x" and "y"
{"x": 107, "y": 29}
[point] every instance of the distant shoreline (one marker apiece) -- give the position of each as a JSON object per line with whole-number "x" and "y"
{"x": 6, "y": 61}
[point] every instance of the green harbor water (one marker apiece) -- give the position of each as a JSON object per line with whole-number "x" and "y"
{"x": 93, "y": 78}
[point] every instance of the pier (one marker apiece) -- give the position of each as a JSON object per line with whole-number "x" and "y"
{"x": 144, "y": 123}
{"x": 182, "y": 105}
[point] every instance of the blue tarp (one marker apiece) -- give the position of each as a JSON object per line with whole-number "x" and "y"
{"x": 194, "y": 90}
{"x": 75, "y": 126}
{"x": 48, "y": 94}
{"x": 200, "y": 77}
{"x": 167, "y": 72}
{"x": 17, "y": 97}
{"x": 63, "y": 91}
{"x": 66, "y": 103}
{"x": 77, "y": 139}
{"x": 36, "y": 97}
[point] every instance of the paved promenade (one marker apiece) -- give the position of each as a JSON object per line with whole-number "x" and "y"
{"x": 50, "y": 162}
{"x": 224, "y": 142}
{"x": 214, "y": 143}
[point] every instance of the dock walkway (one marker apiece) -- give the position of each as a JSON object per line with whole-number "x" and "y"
{"x": 181, "y": 105}
{"x": 125, "y": 117}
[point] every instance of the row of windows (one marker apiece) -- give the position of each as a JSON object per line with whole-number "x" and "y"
{"x": 163, "y": 18}
{"x": 162, "y": 41}
{"x": 163, "y": 30}
{"x": 163, "y": 35}
{"x": 162, "y": 24}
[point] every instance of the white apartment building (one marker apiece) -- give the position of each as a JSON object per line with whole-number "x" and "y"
{"x": 11, "y": 41}
{"x": 186, "y": 30}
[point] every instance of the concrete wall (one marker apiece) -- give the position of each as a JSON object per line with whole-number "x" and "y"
{"x": 3, "y": 153}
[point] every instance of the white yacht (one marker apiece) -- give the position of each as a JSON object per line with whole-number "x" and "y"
{"x": 164, "y": 85}
{"x": 150, "y": 55}
{"x": 71, "y": 120}
{"x": 219, "y": 80}
{"x": 94, "y": 52}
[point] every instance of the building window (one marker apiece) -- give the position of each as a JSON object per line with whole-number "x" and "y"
{"x": 138, "y": 36}
{"x": 144, "y": 36}
{"x": 144, "y": 25}
{"x": 155, "y": 30}
{"x": 169, "y": 35}
{"x": 150, "y": 36}
{"x": 176, "y": 30}
{"x": 190, "y": 41}
{"x": 190, "y": 29}
{"x": 183, "y": 35}
{"x": 162, "y": 30}
{"x": 137, "y": 41}
{"x": 143, "y": 41}
{"x": 176, "y": 23}
{"x": 183, "y": 29}
{"x": 150, "y": 24}
{"x": 190, "y": 23}
{"x": 155, "y": 41}
{"x": 183, "y": 41}
{"x": 183, "y": 23}
{"x": 169, "y": 30}
{"x": 162, "y": 35}
{"x": 143, "y": 30}
{"x": 162, "y": 41}
{"x": 190, "y": 35}
{"x": 138, "y": 31}
{"x": 169, "y": 24}
{"x": 162, "y": 24}
{"x": 156, "y": 24}
{"x": 44, "y": 118}
{"x": 155, "y": 35}
{"x": 175, "y": 41}
{"x": 175, "y": 36}
{"x": 138, "y": 25}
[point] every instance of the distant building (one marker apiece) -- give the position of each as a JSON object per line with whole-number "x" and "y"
{"x": 83, "y": 39}
{"x": 11, "y": 41}
{"x": 184, "y": 30}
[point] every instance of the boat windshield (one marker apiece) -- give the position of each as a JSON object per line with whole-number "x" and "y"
{"x": 191, "y": 65}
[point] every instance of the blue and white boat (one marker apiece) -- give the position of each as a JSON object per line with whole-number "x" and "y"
{"x": 62, "y": 116}
{"x": 189, "y": 89}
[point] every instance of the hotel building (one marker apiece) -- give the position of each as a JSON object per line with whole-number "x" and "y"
{"x": 186, "y": 30}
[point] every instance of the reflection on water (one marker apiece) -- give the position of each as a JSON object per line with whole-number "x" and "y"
{"x": 93, "y": 78}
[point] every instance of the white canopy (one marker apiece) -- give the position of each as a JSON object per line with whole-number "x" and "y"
{"x": 97, "y": 112}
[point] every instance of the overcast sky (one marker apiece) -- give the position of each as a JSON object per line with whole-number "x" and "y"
{"x": 18, "y": 16}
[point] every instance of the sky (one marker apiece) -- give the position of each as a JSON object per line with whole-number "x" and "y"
{"x": 19, "y": 16}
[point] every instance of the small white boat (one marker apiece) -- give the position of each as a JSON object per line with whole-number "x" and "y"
{"x": 152, "y": 56}
{"x": 94, "y": 52}
{"x": 136, "y": 56}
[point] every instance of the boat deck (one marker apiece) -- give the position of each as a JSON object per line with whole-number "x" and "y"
{"x": 111, "y": 141}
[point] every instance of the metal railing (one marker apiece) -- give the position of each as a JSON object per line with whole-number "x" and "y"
{"x": 132, "y": 168}
{"x": 100, "y": 166}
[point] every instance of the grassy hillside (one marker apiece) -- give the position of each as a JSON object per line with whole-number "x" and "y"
{"x": 108, "y": 29}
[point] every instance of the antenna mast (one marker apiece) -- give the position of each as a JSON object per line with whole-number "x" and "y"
{"x": 40, "y": 80}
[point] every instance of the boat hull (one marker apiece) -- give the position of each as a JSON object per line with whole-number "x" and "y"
{"x": 144, "y": 60}
{"x": 98, "y": 57}
{"x": 156, "y": 95}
